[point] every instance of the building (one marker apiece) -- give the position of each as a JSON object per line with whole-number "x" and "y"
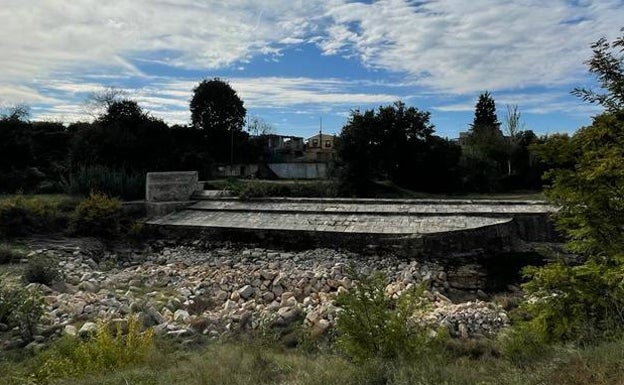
{"x": 282, "y": 148}
{"x": 320, "y": 148}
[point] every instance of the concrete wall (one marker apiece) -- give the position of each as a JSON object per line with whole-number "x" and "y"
{"x": 299, "y": 170}
{"x": 171, "y": 186}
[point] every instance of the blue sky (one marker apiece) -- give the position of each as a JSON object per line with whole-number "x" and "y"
{"x": 294, "y": 62}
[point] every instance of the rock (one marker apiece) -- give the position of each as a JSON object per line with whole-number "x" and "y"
{"x": 319, "y": 328}
{"x": 277, "y": 291}
{"x": 88, "y": 329}
{"x": 222, "y": 295}
{"x": 462, "y": 331}
{"x": 287, "y": 315}
{"x": 181, "y": 315}
{"x": 230, "y": 305}
{"x": 156, "y": 317}
{"x": 246, "y": 291}
{"x": 70, "y": 330}
{"x": 268, "y": 297}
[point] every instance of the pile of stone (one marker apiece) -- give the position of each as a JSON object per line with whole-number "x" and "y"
{"x": 190, "y": 290}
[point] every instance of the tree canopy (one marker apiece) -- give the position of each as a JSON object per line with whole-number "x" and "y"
{"x": 216, "y": 106}
{"x": 395, "y": 142}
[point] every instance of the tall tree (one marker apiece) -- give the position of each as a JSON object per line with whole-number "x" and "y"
{"x": 393, "y": 142}
{"x": 607, "y": 63}
{"x": 485, "y": 156}
{"x": 585, "y": 301}
{"x": 485, "y": 123}
{"x": 216, "y": 106}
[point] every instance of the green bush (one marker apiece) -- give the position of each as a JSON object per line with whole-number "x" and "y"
{"x": 109, "y": 349}
{"x": 111, "y": 181}
{"x": 523, "y": 345}
{"x": 41, "y": 269}
{"x": 262, "y": 189}
{"x": 22, "y": 215}
{"x": 21, "y": 307}
{"x": 98, "y": 215}
{"x": 9, "y": 254}
{"x": 373, "y": 326}
{"x": 581, "y": 303}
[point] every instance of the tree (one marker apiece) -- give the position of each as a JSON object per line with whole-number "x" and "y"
{"x": 125, "y": 137}
{"x": 485, "y": 155}
{"x": 608, "y": 67}
{"x": 485, "y": 123}
{"x": 216, "y": 106}
{"x": 257, "y": 126}
{"x": 98, "y": 102}
{"x": 392, "y": 142}
{"x": 585, "y": 300}
{"x": 513, "y": 127}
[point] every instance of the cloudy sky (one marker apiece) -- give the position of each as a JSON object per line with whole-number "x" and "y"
{"x": 296, "y": 61}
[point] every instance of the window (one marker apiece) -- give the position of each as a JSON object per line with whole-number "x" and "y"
{"x": 328, "y": 143}
{"x": 314, "y": 142}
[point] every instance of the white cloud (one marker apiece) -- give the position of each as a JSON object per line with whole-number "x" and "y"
{"x": 169, "y": 98}
{"x": 41, "y": 37}
{"x": 54, "y": 52}
{"x": 465, "y": 46}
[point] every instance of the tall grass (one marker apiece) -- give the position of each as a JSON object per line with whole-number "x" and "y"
{"x": 236, "y": 364}
{"x": 114, "y": 182}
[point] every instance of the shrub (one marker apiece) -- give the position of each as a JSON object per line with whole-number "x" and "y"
{"x": 21, "y": 307}
{"x": 98, "y": 215}
{"x": 9, "y": 254}
{"x": 41, "y": 270}
{"x": 374, "y": 326}
{"x": 111, "y": 181}
{"x": 575, "y": 303}
{"x": 21, "y": 215}
{"x": 523, "y": 345}
{"x": 109, "y": 349}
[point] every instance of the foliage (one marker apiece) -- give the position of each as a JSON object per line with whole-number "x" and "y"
{"x": 216, "y": 106}
{"x": 591, "y": 196}
{"x": 485, "y": 121}
{"x": 9, "y": 253}
{"x": 262, "y": 189}
{"x": 108, "y": 350}
{"x": 20, "y": 214}
{"x": 394, "y": 142}
{"x": 580, "y": 303}
{"x": 585, "y": 302}
{"x": 21, "y": 307}
{"x": 373, "y": 326}
{"x": 98, "y": 215}
{"x": 125, "y": 137}
{"x": 41, "y": 269}
{"x": 111, "y": 181}
{"x": 607, "y": 63}
{"x": 258, "y": 126}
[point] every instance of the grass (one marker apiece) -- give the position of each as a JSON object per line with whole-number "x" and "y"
{"x": 328, "y": 188}
{"x": 245, "y": 363}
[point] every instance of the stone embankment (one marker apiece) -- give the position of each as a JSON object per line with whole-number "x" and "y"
{"x": 191, "y": 290}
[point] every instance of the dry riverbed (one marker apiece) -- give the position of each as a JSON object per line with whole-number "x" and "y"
{"x": 198, "y": 289}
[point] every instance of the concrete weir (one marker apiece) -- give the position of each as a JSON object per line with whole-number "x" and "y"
{"x": 407, "y": 226}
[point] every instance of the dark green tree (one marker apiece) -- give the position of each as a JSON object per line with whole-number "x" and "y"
{"x": 395, "y": 142}
{"x": 216, "y": 106}
{"x": 607, "y": 64}
{"x": 485, "y": 123}
{"x": 586, "y": 301}
{"x": 484, "y": 156}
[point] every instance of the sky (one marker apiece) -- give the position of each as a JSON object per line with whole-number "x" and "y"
{"x": 297, "y": 62}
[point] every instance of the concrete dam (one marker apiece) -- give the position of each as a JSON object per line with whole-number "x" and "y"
{"x": 411, "y": 227}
